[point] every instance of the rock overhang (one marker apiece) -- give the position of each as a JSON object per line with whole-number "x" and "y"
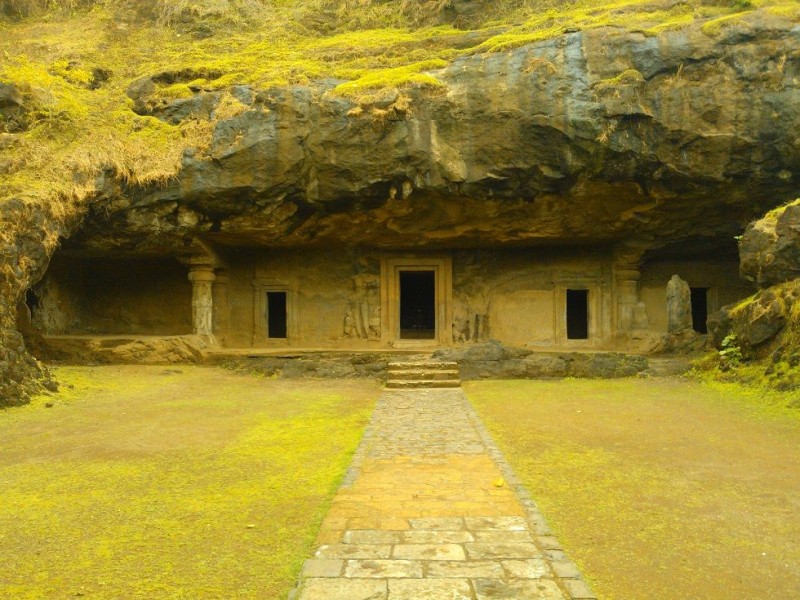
{"x": 603, "y": 136}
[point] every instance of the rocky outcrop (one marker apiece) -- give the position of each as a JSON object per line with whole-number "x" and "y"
{"x": 769, "y": 250}
{"x": 766, "y": 327}
{"x": 25, "y": 249}
{"x": 493, "y": 360}
{"x": 770, "y": 258}
{"x": 121, "y": 350}
{"x": 602, "y": 136}
{"x": 12, "y": 109}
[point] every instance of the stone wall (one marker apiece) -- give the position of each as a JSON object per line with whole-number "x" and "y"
{"x": 337, "y": 297}
{"x": 334, "y": 296}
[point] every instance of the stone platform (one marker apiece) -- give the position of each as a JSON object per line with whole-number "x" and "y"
{"x": 430, "y": 510}
{"x": 489, "y": 360}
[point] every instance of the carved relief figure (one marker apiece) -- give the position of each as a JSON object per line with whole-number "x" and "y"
{"x": 461, "y": 323}
{"x": 349, "y": 324}
{"x": 363, "y": 311}
{"x": 375, "y": 324}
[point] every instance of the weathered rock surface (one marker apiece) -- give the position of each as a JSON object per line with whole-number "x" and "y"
{"x": 12, "y": 110}
{"x": 757, "y": 321}
{"x": 493, "y": 360}
{"x": 369, "y": 365}
{"x": 120, "y": 350}
{"x": 770, "y": 247}
{"x": 24, "y": 256}
{"x": 542, "y": 144}
{"x": 767, "y": 326}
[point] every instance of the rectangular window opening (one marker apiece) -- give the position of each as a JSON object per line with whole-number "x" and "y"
{"x": 578, "y": 314}
{"x": 699, "y": 309}
{"x": 276, "y": 315}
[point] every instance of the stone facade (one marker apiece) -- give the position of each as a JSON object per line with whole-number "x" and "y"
{"x": 538, "y": 298}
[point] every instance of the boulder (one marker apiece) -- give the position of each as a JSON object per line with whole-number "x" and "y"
{"x": 769, "y": 250}
{"x": 12, "y": 109}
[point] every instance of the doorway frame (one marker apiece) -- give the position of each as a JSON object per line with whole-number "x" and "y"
{"x": 442, "y": 267}
{"x": 260, "y": 307}
{"x": 597, "y": 311}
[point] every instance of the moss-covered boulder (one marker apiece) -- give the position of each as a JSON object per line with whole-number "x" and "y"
{"x": 769, "y": 250}
{"x": 762, "y": 333}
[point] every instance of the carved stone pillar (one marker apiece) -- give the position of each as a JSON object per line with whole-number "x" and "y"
{"x": 202, "y": 278}
{"x": 630, "y": 312}
{"x": 627, "y": 286}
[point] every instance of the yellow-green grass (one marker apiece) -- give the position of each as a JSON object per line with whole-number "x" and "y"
{"x": 659, "y": 489}
{"x": 142, "y": 482}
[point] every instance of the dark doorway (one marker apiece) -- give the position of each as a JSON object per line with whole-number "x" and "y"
{"x": 578, "y": 314}
{"x": 417, "y": 305}
{"x": 276, "y": 315}
{"x": 699, "y": 309}
{"x": 32, "y": 300}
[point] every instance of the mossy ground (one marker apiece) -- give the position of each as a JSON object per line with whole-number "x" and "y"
{"x": 659, "y": 489}
{"x": 142, "y": 482}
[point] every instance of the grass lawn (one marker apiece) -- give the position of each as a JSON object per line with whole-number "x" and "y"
{"x": 148, "y": 482}
{"x": 661, "y": 488}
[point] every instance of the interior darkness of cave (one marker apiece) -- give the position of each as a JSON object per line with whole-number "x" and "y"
{"x": 276, "y": 315}
{"x": 699, "y": 309}
{"x": 417, "y": 305}
{"x": 577, "y": 314}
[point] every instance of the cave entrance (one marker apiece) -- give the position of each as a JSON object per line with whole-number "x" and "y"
{"x": 418, "y": 305}
{"x": 416, "y": 300}
{"x": 699, "y": 297}
{"x": 276, "y": 315}
{"x": 577, "y": 314}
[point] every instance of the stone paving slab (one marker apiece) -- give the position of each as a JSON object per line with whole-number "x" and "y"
{"x": 430, "y": 510}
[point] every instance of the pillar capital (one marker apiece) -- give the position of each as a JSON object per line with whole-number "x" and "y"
{"x": 202, "y": 274}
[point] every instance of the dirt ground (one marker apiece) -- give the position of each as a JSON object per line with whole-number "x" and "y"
{"x": 154, "y": 482}
{"x": 662, "y": 488}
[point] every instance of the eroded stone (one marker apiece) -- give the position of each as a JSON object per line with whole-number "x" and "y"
{"x": 344, "y": 589}
{"x": 429, "y": 589}
{"x": 383, "y": 568}
{"x": 493, "y": 589}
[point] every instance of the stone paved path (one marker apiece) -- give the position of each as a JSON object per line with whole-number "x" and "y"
{"x": 430, "y": 510}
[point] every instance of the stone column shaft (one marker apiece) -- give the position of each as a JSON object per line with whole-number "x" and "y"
{"x": 202, "y": 278}
{"x": 627, "y": 284}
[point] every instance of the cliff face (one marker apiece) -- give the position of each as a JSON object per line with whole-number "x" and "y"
{"x": 669, "y": 143}
{"x": 599, "y": 135}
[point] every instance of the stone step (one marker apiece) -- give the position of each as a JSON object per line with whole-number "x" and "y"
{"x": 409, "y": 384}
{"x": 423, "y": 374}
{"x": 431, "y": 365}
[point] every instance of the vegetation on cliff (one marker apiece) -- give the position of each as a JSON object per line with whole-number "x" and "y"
{"x": 68, "y": 119}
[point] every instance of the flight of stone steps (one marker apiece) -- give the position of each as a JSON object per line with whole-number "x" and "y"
{"x": 423, "y": 374}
